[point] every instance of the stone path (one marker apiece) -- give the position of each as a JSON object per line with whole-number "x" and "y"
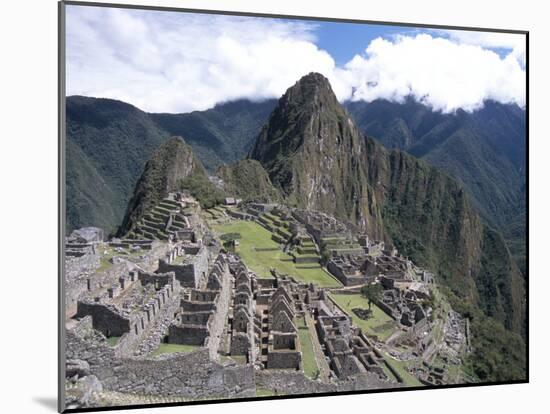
{"x": 322, "y": 364}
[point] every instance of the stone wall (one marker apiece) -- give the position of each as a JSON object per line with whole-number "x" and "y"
{"x": 188, "y": 334}
{"x": 217, "y": 324}
{"x": 191, "y": 274}
{"x": 295, "y": 382}
{"x": 105, "y": 318}
{"x": 204, "y": 312}
{"x": 345, "y": 279}
{"x": 134, "y": 326}
{"x": 188, "y": 375}
{"x": 77, "y": 272}
{"x": 284, "y": 359}
{"x": 306, "y": 259}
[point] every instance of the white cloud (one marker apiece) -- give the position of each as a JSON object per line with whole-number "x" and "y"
{"x": 173, "y": 62}
{"x": 436, "y": 71}
{"x": 512, "y": 42}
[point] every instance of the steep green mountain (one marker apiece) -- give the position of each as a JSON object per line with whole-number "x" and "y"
{"x": 248, "y": 180}
{"x": 86, "y": 192}
{"x": 315, "y": 155}
{"x": 219, "y": 135}
{"x": 108, "y": 143}
{"x": 171, "y": 164}
{"x": 484, "y": 150}
{"x": 429, "y": 216}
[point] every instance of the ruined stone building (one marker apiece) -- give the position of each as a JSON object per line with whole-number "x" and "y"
{"x": 404, "y": 307}
{"x": 320, "y": 225}
{"x": 350, "y": 351}
{"x": 202, "y": 315}
{"x": 283, "y": 349}
{"x": 129, "y": 306}
{"x": 245, "y": 325}
{"x": 189, "y": 262}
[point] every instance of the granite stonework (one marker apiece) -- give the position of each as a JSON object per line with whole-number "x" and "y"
{"x": 241, "y": 332}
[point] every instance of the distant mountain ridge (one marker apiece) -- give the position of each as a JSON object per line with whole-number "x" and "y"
{"x": 108, "y": 143}
{"x": 484, "y": 150}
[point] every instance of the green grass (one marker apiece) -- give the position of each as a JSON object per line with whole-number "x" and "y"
{"x": 113, "y": 340}
{"x": 401, "y": 367}
{"x": 172, "y": 349}
{"x": 255, "y": 236}
{"x": 379, "y": 324}
{"x": 308, "y": 357}
{"x": 304, "y": 255}
{"x": 110, "y": 252}
{"x": 104, "y": 258}
{"x": 263, "y": 392}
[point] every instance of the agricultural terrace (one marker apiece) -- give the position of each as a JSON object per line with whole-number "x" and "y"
{"x": 260, "y": 254}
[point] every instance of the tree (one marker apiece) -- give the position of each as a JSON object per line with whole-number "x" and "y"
{"x": 229, "y": 240}
{"x": 230, "y": 237}
{"x": 372, "y": 292}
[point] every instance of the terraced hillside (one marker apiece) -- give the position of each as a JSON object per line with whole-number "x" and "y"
{"x": 261, "y": 253}
{"x": 277, "y": 225}
{"x": 165, "y": 219}
{"x": 340, "y": 246}
{"x": 306, "y": 250}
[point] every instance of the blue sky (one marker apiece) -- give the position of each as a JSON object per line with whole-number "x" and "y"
{"x": 344, "y": 40}
{"x": 180, "y": 62}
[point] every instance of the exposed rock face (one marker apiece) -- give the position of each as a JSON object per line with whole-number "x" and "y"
{"x": 172, "y": 162}
{"x": 88, "y": 235}
{"x": 315, "y": 155}
{"x": 248, "y": 180}
{"x": 429, "y": 217}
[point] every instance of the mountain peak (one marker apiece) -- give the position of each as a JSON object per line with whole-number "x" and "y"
{"x": 311, "y": 89}
{"x": 172, "y": 162}
{"x": 313, "y": 79}
{"x": 308, "y": 145}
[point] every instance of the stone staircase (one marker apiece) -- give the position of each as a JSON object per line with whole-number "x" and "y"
{"x": 165, "y": 219}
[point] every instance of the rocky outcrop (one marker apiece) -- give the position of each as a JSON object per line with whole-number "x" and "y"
{"x": 171, "y": 163}
{"x": 314, "y": 153}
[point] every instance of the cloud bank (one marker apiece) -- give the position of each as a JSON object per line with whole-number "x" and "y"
{"x": 173, "y": 62}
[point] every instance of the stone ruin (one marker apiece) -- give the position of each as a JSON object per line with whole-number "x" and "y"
{"x": 358, "y": 269}
{"x": 245, "y": 327}
{"x": 404, "y": 307}
{"x": 129, "y": 306}
{"x": 283, "y": 347}
{"x": 189, "y": 262}
{"x": 197, "y": 296}
{"x": 200, "y": 320}
{"x": 320, "y": 225}
{"x": 170, "y": 219}
{"x": 349, "y": 351}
